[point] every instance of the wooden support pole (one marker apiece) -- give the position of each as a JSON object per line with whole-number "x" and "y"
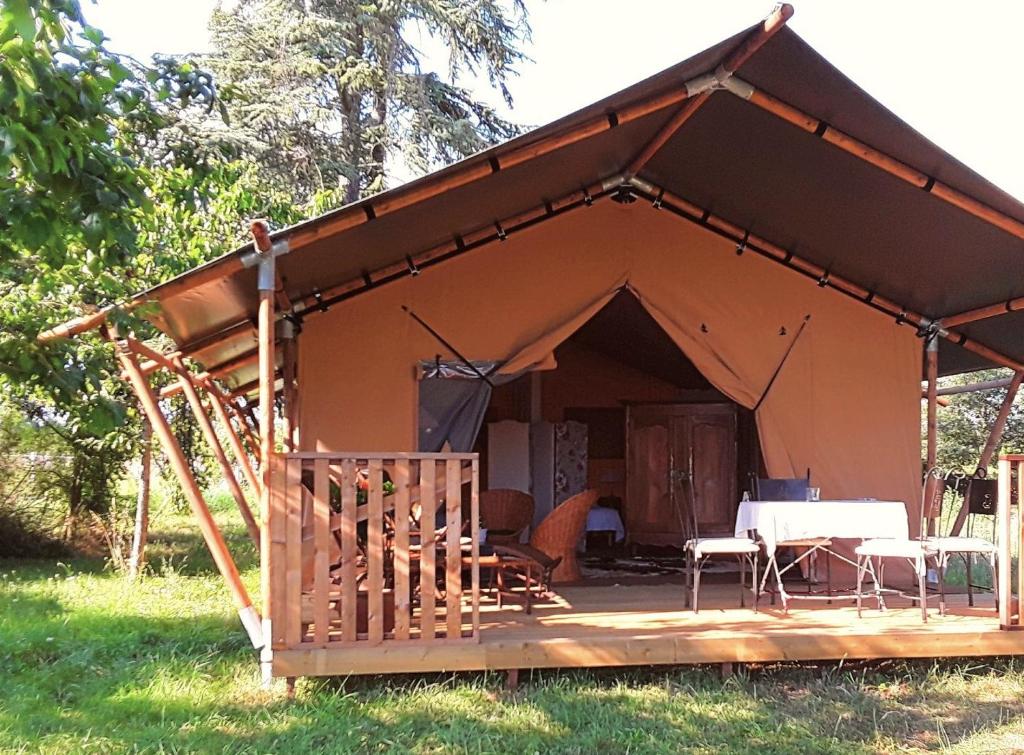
{"x": 206, "y": 426}
{"x": 265, "y": 337}
{"x": 982, "y": 385}
{"x": 288, "y": 394}
{"x": 238, "y": 330}
{"x": 241, "y": 457}
{"x": 983, "y": 313}
{"x": 1004, "y": 559}
{"x": 207, "y": 526}
{"x": 995, "y": 435}
{"x": 649, "y": 150}
{"x": 697, "y": 97}
{"x": 140, "y": 534}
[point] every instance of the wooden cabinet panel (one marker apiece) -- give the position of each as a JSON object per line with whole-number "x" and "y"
{"x": 664, "y": 441}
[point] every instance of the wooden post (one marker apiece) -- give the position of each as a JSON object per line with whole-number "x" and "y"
{"x": 207, "y": 526}
{"x": 266, "y": 284}
{"x": 288, "y": 355}
{"x": 1018, "y": 537}
{"x": 995, "y": 435}
{"x": 141, "y": 533}
{"x": 218, "y": 451}
{"x": 1004, "y": 563}
{"x": 241, "y": 457}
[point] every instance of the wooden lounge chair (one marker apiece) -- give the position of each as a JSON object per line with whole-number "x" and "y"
{"x": 553, "y": 543}
{"x": 506, "y": 514}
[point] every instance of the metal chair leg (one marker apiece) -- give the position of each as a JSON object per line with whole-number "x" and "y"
{"x": 743, "y": 579}
{"x": 968, "y": 559}
{"x": 922, "y": 578}
{"x": 828, "y": 576}
{"x": 688, "y": 570}
{"x": 941, "y": 563}
{"x": 860, "y": 583}
{"x": 878, "y": 579}
{"x": 753, "y": 582}
{"x": 697, "y": 565}
{"x": 782, "y": 589}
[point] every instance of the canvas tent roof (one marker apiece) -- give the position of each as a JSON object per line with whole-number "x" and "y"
{"x": 743, "y": 164}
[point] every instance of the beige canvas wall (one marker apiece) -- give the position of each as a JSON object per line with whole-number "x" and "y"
{"x": 847, "y": 403}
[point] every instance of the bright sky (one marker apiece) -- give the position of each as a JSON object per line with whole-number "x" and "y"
{"x": 951, "y": 70}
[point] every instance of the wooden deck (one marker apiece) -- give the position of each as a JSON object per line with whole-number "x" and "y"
{"x": 590, "y": 626}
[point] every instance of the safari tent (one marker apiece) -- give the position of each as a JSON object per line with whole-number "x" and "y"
{"x": 747, "y": 231}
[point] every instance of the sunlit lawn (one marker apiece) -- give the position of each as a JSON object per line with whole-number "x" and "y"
{"x": 89, "y": 662}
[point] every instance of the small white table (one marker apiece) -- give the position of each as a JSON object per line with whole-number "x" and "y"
{"x": 602, "y": 519}
{"x": 780, "y": 521}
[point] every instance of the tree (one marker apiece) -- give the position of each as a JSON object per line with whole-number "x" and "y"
{"x": 328, "y": 92}
{"x": 965, "y": 424}
{"x": 106, "y": 180}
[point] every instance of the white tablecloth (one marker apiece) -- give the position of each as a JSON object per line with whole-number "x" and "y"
{"x": 601, "y": 519}
{"x": 776, "y": 521}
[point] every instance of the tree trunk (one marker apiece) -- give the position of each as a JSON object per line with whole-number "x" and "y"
{"x": 141, "y": 534}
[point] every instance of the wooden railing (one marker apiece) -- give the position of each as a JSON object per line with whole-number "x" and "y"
{"x": 372, "y": 548}
{"x": 1009, "y": 538}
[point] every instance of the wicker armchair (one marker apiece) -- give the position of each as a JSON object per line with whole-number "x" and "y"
{"x": 506, "y": 514}
{"x": 553, "y": 543}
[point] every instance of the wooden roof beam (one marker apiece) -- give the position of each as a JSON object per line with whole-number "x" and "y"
{"x": 872, "y": 156}
{"x": 245, "y": 327}
{"x": 699, "y": 89}
{"x": 747, "y": 240}
{"x": 983, "y": 313}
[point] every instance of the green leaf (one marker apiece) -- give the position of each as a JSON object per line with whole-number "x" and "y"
{"x": 19, "y": 14}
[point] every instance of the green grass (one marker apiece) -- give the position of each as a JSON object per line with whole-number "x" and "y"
{"x": 92, "y": 663}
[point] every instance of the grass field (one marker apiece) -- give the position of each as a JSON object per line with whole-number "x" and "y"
{"x": 92, "y": 663}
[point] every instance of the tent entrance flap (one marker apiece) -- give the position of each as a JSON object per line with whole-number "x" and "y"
{"x": 453, "y": 397}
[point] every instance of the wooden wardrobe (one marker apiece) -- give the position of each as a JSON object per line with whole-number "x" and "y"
{"x": 660, "y": 439}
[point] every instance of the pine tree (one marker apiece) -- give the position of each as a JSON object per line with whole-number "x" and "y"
{"x": 329, "y": 92}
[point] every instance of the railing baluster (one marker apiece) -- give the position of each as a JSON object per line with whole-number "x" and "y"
{"x": 400, "y": 478}
{"x": 307, "y": 537}
{"x": 348, "y": 550}
{"x": 375, "y": 554}
{"x": 453, "y": 548}
{"x": 277, "y": 524}
{"x": 428, "y": 575}
{"x": 293, "y": 553}
{"x": 474, "y": 532}
{"x": 321, "y": 550}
